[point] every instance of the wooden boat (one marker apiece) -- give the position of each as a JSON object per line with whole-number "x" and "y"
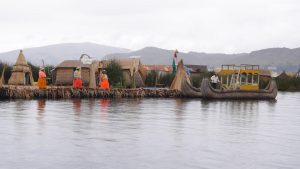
{"x": 183, "y": 83}
{"x": 239, "y": 82}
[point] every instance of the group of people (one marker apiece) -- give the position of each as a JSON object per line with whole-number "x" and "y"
{"x": 104, "y": 84}
{"x": 77, "y": 80}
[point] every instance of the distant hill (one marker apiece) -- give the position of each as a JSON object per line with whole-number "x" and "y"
{"x": 282, "y": 58}
{"x": 154, "y": 55}
{"x": 54, "y": 54}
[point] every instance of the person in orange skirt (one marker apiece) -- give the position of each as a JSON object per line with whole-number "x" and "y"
{"x": 104, "y": 81}
{"x": 77, "y": 82}
{"x": 42, "y": 84}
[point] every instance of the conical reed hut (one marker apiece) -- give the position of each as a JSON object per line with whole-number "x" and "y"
{"x": 21, "y": 73}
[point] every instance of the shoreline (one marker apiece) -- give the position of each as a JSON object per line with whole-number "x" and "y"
{"x": 67, "y": 92}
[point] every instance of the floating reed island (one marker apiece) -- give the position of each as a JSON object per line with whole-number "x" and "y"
{"x": 67, "y": 92}
{"x": 237, "y": 82}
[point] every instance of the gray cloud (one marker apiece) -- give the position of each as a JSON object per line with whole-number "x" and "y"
{"x": 229, "y": 26}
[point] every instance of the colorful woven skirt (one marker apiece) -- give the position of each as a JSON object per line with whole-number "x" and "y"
{"x": 77, "y": 83}
{"x": 42, "y": 84}
{"x": 104, "y": 84}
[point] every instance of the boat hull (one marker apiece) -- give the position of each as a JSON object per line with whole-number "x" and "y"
{"x": 188, "y": 90}
{"x": 210, "y": 93}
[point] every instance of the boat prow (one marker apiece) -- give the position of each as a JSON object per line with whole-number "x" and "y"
{"x": 188, "y": 90}
{"x": 183, "y": 84}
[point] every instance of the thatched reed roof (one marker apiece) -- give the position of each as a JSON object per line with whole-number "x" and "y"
{"x": 71, "y": 64}
{"x": 20, "y": 70}
{"x": 131, "y": 64}
{"x": 21, "y": 59}
{"x": 21, "y": 64}
{"x": 162, "y": 68}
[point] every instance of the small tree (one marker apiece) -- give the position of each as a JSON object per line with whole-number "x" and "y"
{"x": 115, "y": 73}
{"x": 7, "y": 72}
{"x": 34, "y": 70}
{"x": 166, "y": 79}
{"x": 150, "y": 79}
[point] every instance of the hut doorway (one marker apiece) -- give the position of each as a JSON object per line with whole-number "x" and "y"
{"x": 97, "y": 78}
{"x": 27, "y": 78}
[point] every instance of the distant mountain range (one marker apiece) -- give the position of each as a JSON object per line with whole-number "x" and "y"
{"x": 54, "y": 54}
{"x": 280, "y": 58}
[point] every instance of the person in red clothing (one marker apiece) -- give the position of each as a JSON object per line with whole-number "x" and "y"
{"x": 77, "y": 82}
{"x": 42, "y": 84}
{"x": 104, "y": 81}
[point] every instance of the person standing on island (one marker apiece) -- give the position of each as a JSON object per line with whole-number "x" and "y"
{"x": 77, "y": 82}
{"x": 104, "y": 84}
{"x": 214, "y": 80}
{"x": 42, "y": 84}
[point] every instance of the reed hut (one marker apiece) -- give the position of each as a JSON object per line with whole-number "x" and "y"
{"x": 133, "y": 71}
{"x": 21, "y": 73}
{"x": 64, "y": 73}
{"x": 161, "y": 70}
{"x": 197, "y": 70}
{"x": 283, "y": 76}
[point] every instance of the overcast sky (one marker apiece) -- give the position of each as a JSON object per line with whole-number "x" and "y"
{"x": 229, "y": 26}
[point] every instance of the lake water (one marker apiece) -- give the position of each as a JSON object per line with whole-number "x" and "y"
{"x": 150, "y": 133}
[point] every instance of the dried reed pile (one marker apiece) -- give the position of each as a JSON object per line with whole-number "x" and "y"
{"x": 67, "y": 92}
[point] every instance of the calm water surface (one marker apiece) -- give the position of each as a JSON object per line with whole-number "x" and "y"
{"x": 150, "y": 133}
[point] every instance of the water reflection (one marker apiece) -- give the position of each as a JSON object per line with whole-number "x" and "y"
{"x": 41, "y": 104}
{"x": 91, "y": 104}
{"x": 77, "y": 107}
{"x": 20, "y": 105}
{"x": 151, "y": 133}
{"x": 180, "y": 106}
{"x": 104, "y": 103}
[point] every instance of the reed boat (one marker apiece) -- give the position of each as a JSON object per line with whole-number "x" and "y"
{"x": 183, "y": 83}
{"x": 239, "y": 82}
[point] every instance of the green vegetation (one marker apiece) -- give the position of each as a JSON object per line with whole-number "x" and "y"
{"x": 197, "y": 79}
{"x": 166, "y": 79}
{"x": 151, "y": 79}
{"x": 7, "y": 72}
{"x": 115, "y": 74}
{"x": 35, "y": 71}
{"x": 288, "y": 84}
